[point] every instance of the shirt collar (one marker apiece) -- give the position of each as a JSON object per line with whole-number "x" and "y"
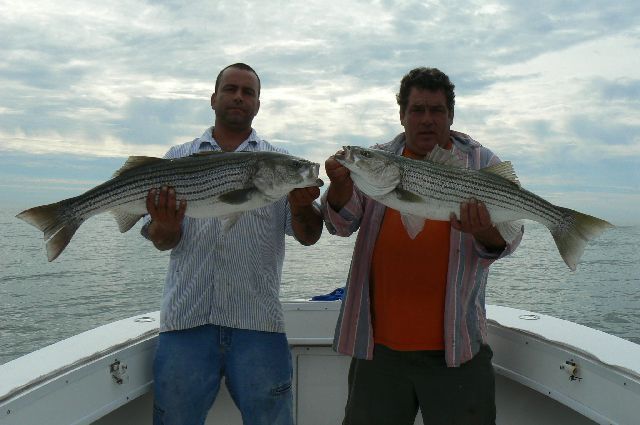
{"x": 206, "y": 142}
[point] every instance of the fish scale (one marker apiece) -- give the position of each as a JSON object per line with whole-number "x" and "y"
{"x": 195, "y": 177}
{"x": 192, "y": 184}
{"x": 495, "y": 194}
{"x": 435, "y": 187}
{"x": 213, "y": 184}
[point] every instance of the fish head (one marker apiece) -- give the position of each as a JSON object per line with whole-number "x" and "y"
{"x": 374, "y": 171}
{"x": 277, "y": 174}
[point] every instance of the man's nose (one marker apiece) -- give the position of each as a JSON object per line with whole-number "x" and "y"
{"x": 427, "y": 118}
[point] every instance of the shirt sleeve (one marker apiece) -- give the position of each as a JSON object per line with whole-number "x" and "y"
{"x": 347, "y": 220}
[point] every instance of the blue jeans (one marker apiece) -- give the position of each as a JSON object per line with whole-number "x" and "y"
{"x": 189, "y": 365}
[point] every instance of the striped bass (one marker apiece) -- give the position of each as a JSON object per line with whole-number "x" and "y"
{"x": 433, "y": 188}
{"x": 213, "y": 184}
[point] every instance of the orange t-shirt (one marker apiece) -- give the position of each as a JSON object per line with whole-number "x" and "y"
{"x": 408, "y": 284}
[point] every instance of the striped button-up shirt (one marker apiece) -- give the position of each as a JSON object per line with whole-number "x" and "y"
{"x": 465, "y": 315}
{"x": 228, "y": 279}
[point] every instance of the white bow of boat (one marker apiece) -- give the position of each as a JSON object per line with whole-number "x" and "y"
{"x": 548, "y": 371}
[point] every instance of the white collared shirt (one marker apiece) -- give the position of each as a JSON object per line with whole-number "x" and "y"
{"x": 230, "y": 279}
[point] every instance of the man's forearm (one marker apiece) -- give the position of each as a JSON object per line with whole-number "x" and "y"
{"x": 307, "y": 224}
{"x": 338, "y": 195}
{"x": 491, "y": 239}
{"x": 161, "y": 239}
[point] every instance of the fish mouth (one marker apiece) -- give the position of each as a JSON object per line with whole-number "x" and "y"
{"x": 315, "y": 172}
{"x": 312, "y": 175}
{"x": 312, "y": 171}
{"x": 345, "y": 156}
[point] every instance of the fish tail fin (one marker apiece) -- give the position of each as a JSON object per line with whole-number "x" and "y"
{"x": 574, "y": 232}
{"x": 51, "y": 219}
{"x": 61, "y": 239}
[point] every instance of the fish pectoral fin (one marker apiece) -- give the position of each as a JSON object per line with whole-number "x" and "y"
{"x": 236, "y": 197}
{"x": 504, "y": 170}
{"x": 229, "y": 220}
{"x": 135, "y": 162}
{"x": 406, "y": 196}
{"x": 412, "y": 224}
{"x": 125, "y": 220}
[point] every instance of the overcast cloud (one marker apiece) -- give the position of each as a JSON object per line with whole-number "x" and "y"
{"x": 553, "y": 86}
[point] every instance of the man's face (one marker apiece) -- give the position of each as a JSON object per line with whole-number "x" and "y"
{"x": 426, "y": 121}
{"x": 236, "y": 101}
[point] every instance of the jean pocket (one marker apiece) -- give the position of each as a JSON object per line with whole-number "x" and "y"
{"x": 281, "y": 389}
{"x": 487, "y": 351}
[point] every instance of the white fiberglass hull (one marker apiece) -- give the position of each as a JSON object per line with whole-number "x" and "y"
{"x": 548, "y": 371}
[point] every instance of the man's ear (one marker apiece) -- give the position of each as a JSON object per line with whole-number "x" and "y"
{"x": 213, "y": 100}
{"x": 257, "y": 108}
{"x": 402, "y": 117}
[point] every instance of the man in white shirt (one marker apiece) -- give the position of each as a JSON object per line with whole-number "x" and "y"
{"x": 221, "y": 315}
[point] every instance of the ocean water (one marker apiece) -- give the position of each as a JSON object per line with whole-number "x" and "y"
{"x": 104, "y": 276}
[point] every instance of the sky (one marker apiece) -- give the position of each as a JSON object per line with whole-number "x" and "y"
{"x": 552, "y": 86}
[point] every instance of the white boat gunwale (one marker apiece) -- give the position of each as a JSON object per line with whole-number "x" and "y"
{"x": 29, "y": 380}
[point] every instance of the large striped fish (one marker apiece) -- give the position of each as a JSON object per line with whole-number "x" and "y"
{"x": 214, "y": 185}
{"x": 434, "y": 188}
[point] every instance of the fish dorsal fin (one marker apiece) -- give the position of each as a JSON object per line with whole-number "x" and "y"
{"x": 135, "y": 162}
{"x": 444, "y": 157}
{"x": 504, "y": 170}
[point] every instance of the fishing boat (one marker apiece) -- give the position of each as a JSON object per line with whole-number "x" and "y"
{"x": 548, "y": 371}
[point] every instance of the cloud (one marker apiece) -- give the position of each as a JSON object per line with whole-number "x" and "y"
{"x": 545, "y": 86}
{"x": 589, "y": 130}
{"x": 615, "y": 91}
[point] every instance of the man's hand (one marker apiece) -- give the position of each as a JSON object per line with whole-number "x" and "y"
{"x": 165, "y": 229}
{"x": 303, "y": 197}
{"x": 341, "y": 187}
{"x": 476, "y": 220}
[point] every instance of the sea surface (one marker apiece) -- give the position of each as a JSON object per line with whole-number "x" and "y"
{"x": 104, "y": 276}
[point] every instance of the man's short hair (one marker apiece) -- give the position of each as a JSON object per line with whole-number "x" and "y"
{"x": 238, "y": 65}
{"x": 431, "y": 79}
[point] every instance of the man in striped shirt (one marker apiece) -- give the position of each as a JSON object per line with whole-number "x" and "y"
{"x": 221, "y": 314}
{"x": 413, "y": 317}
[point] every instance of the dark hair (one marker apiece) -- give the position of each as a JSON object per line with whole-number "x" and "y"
{"x": 431, "y": 79}
{"x": 238, "y": 65}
